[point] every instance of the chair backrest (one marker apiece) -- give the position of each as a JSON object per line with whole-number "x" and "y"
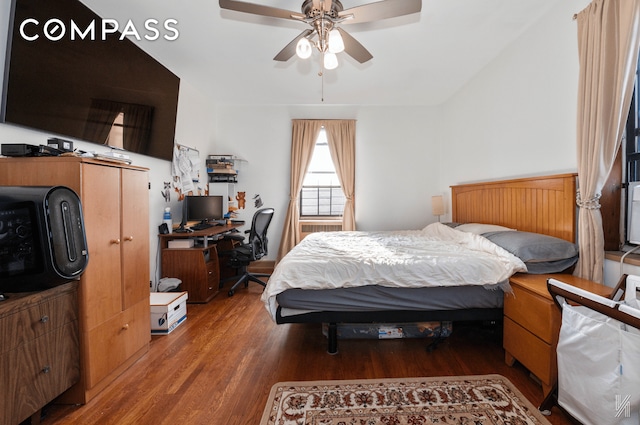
{"x": 258, "y": 233}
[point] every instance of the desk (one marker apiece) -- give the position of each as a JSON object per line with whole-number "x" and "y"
{"x": 198, "y": 268}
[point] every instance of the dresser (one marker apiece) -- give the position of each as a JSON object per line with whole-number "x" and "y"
{"x": 39, "y": 354}
{"x": 532, "y": 323}
{"x": 113, "y": 294}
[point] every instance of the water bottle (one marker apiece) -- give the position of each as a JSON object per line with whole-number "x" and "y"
{"x": 167, "y": 219}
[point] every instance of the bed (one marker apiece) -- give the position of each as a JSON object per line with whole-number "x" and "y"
{"x": 416, "y": 285}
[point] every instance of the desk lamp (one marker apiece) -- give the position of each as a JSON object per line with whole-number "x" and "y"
{"x": 437, "y": 206}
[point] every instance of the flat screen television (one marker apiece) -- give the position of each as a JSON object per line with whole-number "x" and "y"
{"x": 79, "y": 87}
{"x": 203, "y": 208}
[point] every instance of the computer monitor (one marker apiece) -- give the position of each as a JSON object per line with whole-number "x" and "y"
{"x": 203, "y": 208}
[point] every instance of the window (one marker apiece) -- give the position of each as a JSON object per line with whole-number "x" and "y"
{"x": 321, "y": 194}
{"x": 631, "y": 145}
{"x": 115, "y": 138}
{"x": 632, "y": 150}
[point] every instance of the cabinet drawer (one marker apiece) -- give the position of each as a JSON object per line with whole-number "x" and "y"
{"x": 213, "y": 277}
{"x": 37, "y": 372}
{"x": 535, "y": 354}
{"x": 116, "y": 340}
{"x": 37, "y": 319}
{"x": 537, "y": 314}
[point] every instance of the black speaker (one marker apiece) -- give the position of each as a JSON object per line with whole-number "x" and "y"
{"x": 42, "y": 237}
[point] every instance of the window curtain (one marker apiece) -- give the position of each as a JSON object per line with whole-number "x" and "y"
{"x": 100, "y": 119}
{"x": 137, "y": 127}
{"x": 608, "y": 34}
{"x": 341, "y": 135}
{"x": 303, "y": 140}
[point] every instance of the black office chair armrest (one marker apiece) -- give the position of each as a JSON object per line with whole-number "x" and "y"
{"x": 234, "y": 236}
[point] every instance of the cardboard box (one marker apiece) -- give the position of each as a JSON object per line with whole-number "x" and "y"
{"x": 168, "y": 310}
{"x": 181, "y": 243}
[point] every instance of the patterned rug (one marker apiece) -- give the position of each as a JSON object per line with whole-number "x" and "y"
{"x": 473, "y": 400}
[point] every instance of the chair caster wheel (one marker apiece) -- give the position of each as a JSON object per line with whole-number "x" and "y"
{"x": 230, "y": 293}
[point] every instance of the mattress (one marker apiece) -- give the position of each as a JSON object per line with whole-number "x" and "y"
{"x": 352, "y": 269}
{"x": 377, "y": 298}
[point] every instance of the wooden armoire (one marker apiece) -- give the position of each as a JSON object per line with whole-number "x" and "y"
{"x": 113, "y": 292}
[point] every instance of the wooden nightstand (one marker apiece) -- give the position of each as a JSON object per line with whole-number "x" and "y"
{"x": 532, "y": 323}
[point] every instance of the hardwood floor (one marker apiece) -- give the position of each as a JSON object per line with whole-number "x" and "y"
{"x": 219, "y": 365}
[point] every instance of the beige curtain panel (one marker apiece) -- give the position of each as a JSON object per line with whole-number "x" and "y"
{"x": 608, "y": 35}
{"x": 342, "y": 145}
{"x": 341, "y": 139}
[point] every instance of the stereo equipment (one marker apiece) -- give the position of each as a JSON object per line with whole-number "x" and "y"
{"x": 42, "y": 237}
{"x": 23, "y": 149}
{"x": 60, "y": 144}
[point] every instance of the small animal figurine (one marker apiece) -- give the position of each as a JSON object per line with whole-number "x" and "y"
{"x": 240, "y": 198}
{"x": 166, "y": 192}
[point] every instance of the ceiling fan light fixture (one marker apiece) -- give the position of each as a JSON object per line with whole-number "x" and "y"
{"x": 303, "y": 48}
{"x": 336, "y": 44}
{"x": 330, "y": 61}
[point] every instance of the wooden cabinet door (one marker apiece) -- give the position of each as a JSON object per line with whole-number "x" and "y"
{"x": 101, "y": 289}
{"x": 135, "y": 237}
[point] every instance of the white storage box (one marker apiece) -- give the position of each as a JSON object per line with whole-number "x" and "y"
{"x": 168, "y": 310}
{"x": 181, "y": 243}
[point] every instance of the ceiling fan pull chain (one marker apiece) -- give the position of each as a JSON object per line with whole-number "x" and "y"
{"x": 321, "y": 73}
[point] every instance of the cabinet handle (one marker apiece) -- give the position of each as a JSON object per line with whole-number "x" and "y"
{"x": 46, "y": 369}
{"x": 115, "y": 241}
{"x": 128, "y": 238}
{"x": 44, "y": 319}
{"x": 125, "y": 327}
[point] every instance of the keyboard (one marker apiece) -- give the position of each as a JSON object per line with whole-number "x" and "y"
{"x": 202, "y": 226}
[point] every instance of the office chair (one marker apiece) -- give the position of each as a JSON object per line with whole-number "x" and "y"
{"x": 251, "y": 250}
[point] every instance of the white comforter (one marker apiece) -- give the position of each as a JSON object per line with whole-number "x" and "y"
{"x": 434, "y": 256}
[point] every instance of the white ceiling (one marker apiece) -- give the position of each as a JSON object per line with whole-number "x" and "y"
{"x": 420, "y": 59}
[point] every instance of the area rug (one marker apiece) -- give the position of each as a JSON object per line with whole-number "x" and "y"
{"x": 473, "y": 400}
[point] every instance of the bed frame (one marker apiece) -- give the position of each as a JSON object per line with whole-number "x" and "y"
{"x": 543, "y": 204}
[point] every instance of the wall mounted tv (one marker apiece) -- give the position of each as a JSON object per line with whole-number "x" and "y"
{"x": 78, "y": 88}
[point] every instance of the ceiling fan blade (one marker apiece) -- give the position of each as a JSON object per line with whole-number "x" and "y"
{"x": 353, "y": 47}
{"x": 381, "y": 10}
{"x": 258, "y": 9}
{"x": 290, "y": 49}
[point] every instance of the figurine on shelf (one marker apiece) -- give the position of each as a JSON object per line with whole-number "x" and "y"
{"x": 241, "y": 201}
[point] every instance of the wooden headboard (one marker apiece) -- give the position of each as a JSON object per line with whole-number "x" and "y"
{"x": 545, "y": 204}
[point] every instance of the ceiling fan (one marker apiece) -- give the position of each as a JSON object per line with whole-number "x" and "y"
{"x": 324, "y": 16}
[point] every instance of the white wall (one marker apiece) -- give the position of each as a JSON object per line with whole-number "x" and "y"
{"x": 517, "y": 117}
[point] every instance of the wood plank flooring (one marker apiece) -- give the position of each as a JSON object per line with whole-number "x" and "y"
{"x": 219, "y": 365}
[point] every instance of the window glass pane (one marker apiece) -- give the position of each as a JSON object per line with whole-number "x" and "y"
{"x": 321, "y": 194}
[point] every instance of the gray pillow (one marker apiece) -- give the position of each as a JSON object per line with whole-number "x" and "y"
{"x": 533, "y": 247}
{"x": 541, "y": 253}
